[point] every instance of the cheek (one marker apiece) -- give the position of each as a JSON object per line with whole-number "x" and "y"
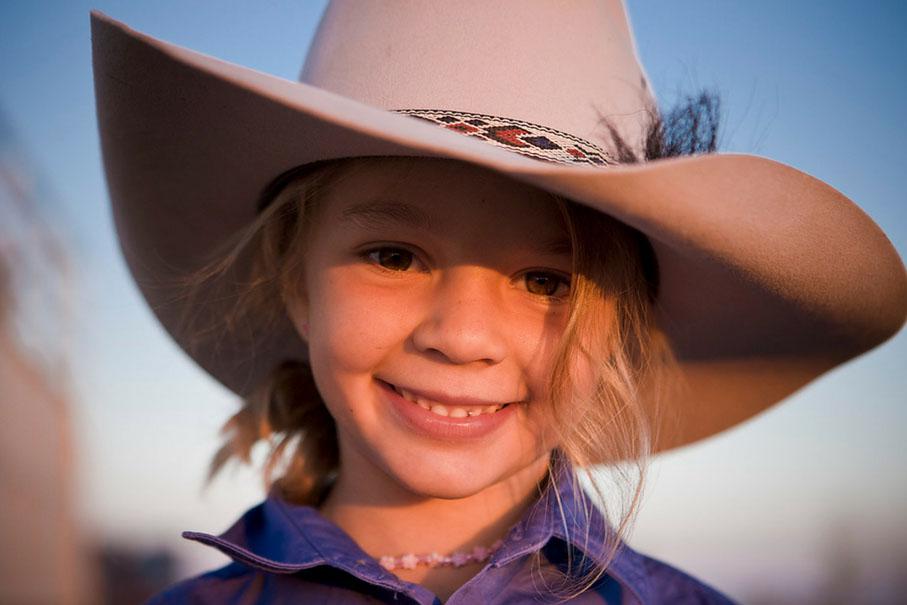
{"x": 537, "y": 339}
{"x": 538, "y": 347}
{"x": 352, "y": 326}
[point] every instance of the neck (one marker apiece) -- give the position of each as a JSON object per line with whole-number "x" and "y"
{"x": 386, "y": 519}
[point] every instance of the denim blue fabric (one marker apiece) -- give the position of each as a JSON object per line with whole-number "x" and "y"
{"x": 285, "y": 553}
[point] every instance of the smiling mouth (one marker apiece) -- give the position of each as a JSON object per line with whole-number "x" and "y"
{"x": 446, "y": 409}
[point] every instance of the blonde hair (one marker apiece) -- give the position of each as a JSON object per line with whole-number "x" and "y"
{"x": 610, "y": 329}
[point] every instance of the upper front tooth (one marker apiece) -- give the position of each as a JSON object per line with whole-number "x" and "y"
{"x": 443, "y": 410}
{"x": 407, "y": 395}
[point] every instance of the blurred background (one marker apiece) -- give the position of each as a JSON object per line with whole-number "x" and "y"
{"x": 803, "y": 504}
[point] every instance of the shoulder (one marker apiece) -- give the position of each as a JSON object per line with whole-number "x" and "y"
{"x": 218, "y": 586}
{"x": 668, "y": 584}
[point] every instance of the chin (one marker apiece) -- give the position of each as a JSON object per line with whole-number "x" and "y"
{"x": 450, "y": 476}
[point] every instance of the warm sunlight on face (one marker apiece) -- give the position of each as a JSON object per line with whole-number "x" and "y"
{"x": 436, "y": 293}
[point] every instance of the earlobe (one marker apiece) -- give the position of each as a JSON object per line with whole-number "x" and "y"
{"x": 297, "y": 311}
{"x": 298, "y": 314}
{"x": 300, "y": 317}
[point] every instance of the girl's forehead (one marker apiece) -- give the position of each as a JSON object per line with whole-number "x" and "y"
{"x": 438, "y": 194}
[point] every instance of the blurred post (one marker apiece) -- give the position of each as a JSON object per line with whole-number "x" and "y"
{"x": 42, "y": 557}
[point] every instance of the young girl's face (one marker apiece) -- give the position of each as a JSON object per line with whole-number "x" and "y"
{"x": 433, "y": 284}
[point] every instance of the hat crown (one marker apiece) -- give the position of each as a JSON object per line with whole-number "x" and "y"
{"x": 564, "y": 65}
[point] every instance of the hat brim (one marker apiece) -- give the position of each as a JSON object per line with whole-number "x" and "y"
{"x": 769, "y": 277}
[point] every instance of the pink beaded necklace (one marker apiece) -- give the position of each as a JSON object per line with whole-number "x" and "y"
{"x": 479, "y": 554}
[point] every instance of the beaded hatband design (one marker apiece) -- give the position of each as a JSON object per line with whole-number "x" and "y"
{"x": 526, "y": 138}
{"x": 479, "y": 554}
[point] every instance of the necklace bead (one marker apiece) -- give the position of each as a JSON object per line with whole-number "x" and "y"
{"x": 479, "y": 554}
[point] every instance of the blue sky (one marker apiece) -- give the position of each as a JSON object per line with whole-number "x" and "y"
{"x": 819, "y": 85}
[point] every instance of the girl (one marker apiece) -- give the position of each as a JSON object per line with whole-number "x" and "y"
{"x": 438, "y": 333}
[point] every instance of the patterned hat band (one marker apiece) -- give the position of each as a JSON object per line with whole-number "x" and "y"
{"x": 526, "y": 138}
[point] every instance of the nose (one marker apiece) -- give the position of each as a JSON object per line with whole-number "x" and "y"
{"x": 463, "y": 321}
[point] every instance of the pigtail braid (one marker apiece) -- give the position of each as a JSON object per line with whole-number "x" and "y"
{"x": 288, "y": 412}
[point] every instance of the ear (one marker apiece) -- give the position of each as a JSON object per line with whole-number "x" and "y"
{"x": 297, "y": 311}
{"x": 300, "y": 317}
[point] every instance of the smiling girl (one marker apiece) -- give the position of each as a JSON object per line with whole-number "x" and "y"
{"x": 460, "y": 348}
{"x": 435, "y": 298}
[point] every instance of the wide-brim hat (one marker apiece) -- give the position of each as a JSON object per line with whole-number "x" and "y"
{"x": 768, "y": 277}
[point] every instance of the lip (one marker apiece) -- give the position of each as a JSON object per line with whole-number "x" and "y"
{"x": 443, "y": 428}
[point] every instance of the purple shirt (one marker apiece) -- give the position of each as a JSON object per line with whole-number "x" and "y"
{"x": 284, "y": 553}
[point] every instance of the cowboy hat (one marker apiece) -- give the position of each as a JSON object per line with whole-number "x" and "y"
{"x": 769, "y": 277}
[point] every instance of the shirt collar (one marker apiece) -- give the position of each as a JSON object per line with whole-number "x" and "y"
{"x": 279, "y": 537}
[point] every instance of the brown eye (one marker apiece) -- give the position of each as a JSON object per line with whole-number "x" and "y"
{"x": 545, "y": 284}
{"x": 394, "y": 259}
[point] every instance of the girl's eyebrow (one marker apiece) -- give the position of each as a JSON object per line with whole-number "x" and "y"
{"x": 555, "y": 246}
{"x": 376, "y": 215}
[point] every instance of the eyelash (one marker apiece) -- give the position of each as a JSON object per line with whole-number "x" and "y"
{"x": 557, "y": 278}
{"x": 366, "y": 255}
